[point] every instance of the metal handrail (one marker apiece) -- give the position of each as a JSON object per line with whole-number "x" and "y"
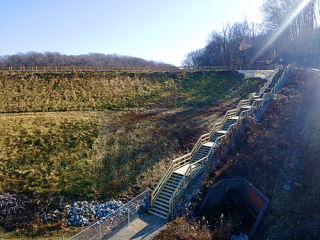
{"x": 255, "y": 104}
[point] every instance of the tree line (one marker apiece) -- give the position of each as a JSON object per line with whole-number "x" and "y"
{"x": 289, "y": 33}
{"x": 58, "y": 59}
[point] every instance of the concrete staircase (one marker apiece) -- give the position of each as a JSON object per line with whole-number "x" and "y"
{"x": 202, "y": 152}
{"x": 161, "y": 203}
{"x": 173, "y": 183}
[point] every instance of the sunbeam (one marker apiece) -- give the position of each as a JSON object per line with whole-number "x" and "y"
{"x": 276, "y": 34}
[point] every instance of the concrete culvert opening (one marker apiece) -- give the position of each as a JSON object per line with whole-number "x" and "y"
{"x": 231, "y": 214}
{"x": 235, "y": 207}
{"x": 234, "y": 196}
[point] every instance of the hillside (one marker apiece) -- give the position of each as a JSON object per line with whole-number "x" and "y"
{"x": 280, "y": 156}
{"x": 132, "y": 126}
{"x": 91, "y": 91}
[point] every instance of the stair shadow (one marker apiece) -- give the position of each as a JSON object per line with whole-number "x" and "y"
{"x": 141, "y": 228}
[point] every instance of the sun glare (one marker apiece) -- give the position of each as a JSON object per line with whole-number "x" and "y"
{"x": 281, "y": 29}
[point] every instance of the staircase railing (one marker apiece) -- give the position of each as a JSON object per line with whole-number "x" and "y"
{"x": 182, "y": 161}
{"x": 193, "y": 170}
{"x": 186, "y": 159}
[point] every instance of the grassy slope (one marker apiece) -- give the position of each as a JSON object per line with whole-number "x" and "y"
{"x": 48, "y": 153}
{"x": 24, "y": 92}
{"x": 281, "y": 150}
{"x": 106, "y": 153}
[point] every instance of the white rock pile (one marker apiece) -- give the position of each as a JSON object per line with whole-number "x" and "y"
{"x": 15, "y": 208}
{"x": 82, "y": 213}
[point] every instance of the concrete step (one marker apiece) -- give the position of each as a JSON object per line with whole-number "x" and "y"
{"x": 246, "y": 107}
{"x": 160, "y": 207}
{"x": 208, "y": 144}
{"x": 216, "y": 135}
{"x": 168, "y": 187}
{"x": 201, "y": 154}
{"x": 162, "y": 204}
{"x": 176, "y": 175}
{"x": 158, "y": 213}
{"x": 228, "y": 123}
{"x": 174, "y": 181}
{"x": 222, "y": 132}
{"x": 163, "y": 198}
{"x": 173, "y": 185}
{"x": 234, "y": 118}
{"x": 164, "y": 192}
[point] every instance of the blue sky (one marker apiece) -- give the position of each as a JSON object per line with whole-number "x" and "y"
{"x": 160, "y": 30}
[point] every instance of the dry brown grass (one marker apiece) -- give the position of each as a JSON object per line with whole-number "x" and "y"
{"x": 182, "y": 229}
{"x": 138, "y": 147}
{"x": 53, "y": 153}
{"x": 46, "y": 154}
{"x": 30, "y": 92}
{"x": 107, "y": 153}
{"x": 283, "y": 150}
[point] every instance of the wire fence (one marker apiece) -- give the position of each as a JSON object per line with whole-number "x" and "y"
{"x": 130, "y": 69}
{"x": 117, "y": 220}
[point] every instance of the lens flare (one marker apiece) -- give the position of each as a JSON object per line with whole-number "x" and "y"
{"x": 246, "y": 44}
{"x": 276, "y": 34}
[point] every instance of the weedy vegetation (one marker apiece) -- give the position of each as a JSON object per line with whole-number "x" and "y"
{"x": 43, "y": 92}
{"x": 280, "y": 156}
{"x": 47, "y": 154}
{"x": 103, "y": 135}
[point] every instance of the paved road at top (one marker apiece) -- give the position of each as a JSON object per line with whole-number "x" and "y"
{"x": 264, "y": 74}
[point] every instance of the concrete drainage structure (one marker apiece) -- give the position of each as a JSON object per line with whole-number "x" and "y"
{"x": 240, "y": 190}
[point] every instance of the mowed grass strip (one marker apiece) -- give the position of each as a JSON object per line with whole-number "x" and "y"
{"x": 33, "y": 92}
{"x": 47, "y": 154}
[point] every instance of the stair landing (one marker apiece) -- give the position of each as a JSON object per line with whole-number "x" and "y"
{"x": 182, "y": 170}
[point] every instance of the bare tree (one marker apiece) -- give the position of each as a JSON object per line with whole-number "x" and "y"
{"x": 299, "y": 38}
{"x": 57, "y": 59}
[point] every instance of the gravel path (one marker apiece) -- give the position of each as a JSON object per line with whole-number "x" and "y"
{"x": 147, "y": 226}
